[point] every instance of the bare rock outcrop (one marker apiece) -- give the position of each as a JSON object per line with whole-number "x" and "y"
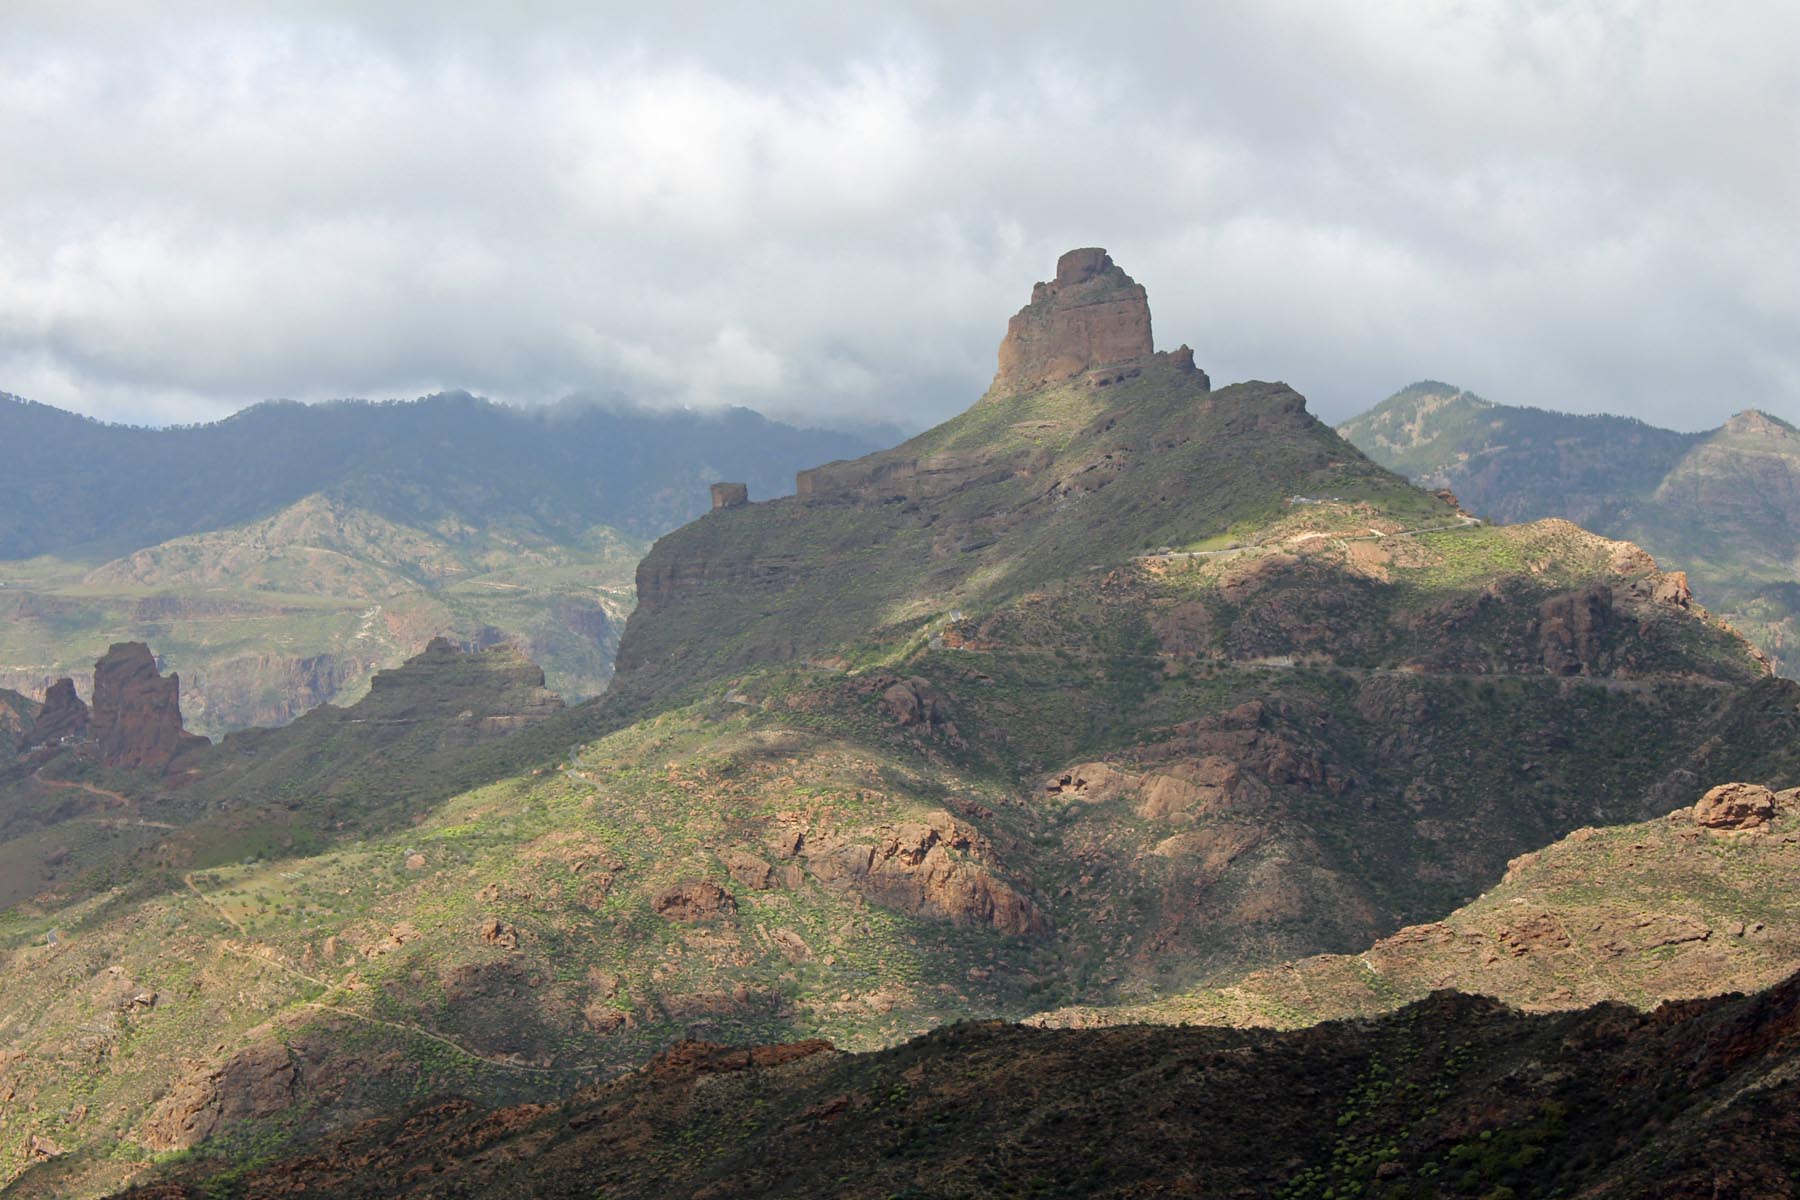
{"x": 136, "y": 721}
{"x": 1183, "y": 790}
{"x": 935, "y": 866}
{"x": 1735, "y": 806}
{"x": 64, "y": 717}
{"x": 1672, "y": 589}
{"x": 693, "y": 900}
{"x": 918, "y": 707}
{"x": 1571, "y": 630}
{"x": 257, "y": 1081}
{"x": 747, "y": 870}
{"x": 1091, "y": 315}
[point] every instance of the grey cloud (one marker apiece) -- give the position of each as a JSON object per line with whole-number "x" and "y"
{"x": 832, "y": 209}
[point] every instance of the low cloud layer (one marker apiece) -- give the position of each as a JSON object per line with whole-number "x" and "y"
{"x": 816, "y": 210}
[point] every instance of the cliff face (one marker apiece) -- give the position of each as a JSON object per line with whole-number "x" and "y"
{"x": 1092, "y": 314}
{"x": 136, "y": 721}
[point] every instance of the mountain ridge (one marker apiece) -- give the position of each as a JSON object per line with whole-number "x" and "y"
{"x": 1723, "y": 504}
{"x": 280, "y": 556}
{"x": 1450, "y": 1096}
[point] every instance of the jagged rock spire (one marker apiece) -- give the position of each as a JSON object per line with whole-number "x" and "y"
{"x": 1092, "y": 314}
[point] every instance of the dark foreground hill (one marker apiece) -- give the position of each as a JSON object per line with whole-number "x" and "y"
{"x": 1451, "y": 1096}
{"x": 279, "y": 557}
{"x": 1723, "y": 505}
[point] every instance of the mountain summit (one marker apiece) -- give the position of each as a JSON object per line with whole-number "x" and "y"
{"x": 1092, "y": 315}
{"x": 997, "y": 500}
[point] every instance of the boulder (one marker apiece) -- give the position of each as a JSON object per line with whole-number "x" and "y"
{"x": 496, "y": 932}
{"x": 915, "y": 705}
{"x": 748, "y": 870}
{"x": 1735, "y": 806}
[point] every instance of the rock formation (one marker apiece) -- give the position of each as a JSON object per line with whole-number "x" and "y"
{"x": 257, "y": 1081}
{"x": 498, "y": 690}
{"x": 63, "y": 718}
{"x": 1735, "y": 806}
{"x": 1572, "y": 628}
{"x": 1091, "y": 315}
{"x": 136, "y": 721}
{"x": 936, "y": 866}
{"x": 693, "y": 900}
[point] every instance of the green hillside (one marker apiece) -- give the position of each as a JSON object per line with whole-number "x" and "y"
{"x": 1724, "y": 506}
{"x": 278, "y": 558}
{"x": 1660, "y": 910}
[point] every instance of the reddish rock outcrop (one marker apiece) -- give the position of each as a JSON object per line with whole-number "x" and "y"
{"x": 258, "y": 1081}
{"x": 1734, "y": 806}
{"x": 1673, "y": 589}
{"x": 936, "y": 866}
{"x": 1092, "y": 314}
{"x": 136, "y": 719}
{"x": 496, "y": 932}
{"x": 64, "y": 717}
{"x": 1184, "y": 791}
{"x": 695, "y": 900}
{"x": 748, "y": 870}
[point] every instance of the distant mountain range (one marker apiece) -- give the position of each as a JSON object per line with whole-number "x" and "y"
{"x": 1723, "y": 505}
{"x": 279, "y": 557}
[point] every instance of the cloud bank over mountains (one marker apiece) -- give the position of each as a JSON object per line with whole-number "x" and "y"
{"x": 830, "y": 213}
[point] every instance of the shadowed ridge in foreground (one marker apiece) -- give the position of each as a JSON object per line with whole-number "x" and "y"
{"x": 1451, "y": 1096}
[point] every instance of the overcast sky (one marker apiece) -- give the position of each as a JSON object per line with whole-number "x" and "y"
{"x": 833, "y": 208}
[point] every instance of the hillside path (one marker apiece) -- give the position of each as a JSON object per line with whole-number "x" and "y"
{"x": 115, "y": 797}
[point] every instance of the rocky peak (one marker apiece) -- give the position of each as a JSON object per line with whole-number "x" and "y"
{"x": 1755, "y": 423}
{"x": 136, "y": 719}
{"x": 491, "y": 692}
{"x": 63, "y": 718}
{"x": 1091, "y": 315}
